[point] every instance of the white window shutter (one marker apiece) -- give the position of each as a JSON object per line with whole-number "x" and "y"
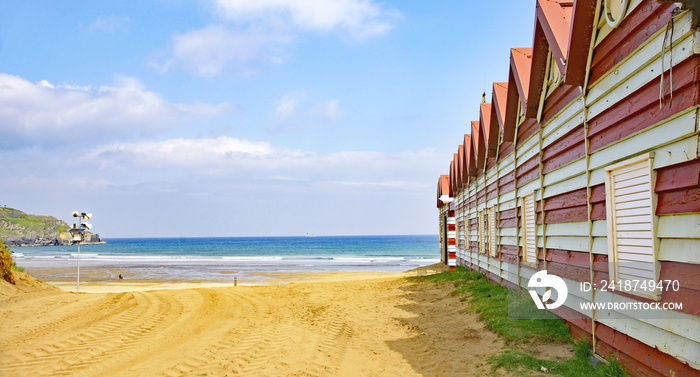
{"x": 529, "y": 229}
{"x": 492, "y": 231}
{"x": 480, "y": 220}
{"x": 630, "y": 205}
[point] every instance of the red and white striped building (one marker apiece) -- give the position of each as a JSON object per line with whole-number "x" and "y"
{"x": 586, "y": 164}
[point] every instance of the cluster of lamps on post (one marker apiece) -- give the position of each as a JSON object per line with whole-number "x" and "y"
{"x": 77, "y": 233}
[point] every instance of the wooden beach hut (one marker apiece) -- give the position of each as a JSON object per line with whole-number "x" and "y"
{"x": 586, "y": 164}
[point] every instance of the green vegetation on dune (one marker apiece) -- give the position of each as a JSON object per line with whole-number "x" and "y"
{"x": 492, "y": 302}
{"x": 6, "y": 264}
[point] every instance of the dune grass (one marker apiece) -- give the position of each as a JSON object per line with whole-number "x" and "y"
{"x": 492, "y": 302}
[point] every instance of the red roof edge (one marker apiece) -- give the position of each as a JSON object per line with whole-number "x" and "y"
{"x": 520, "y": 66}
{"x": 498, "y": 103}
{"x": 478, "y": 145}
{"x": 489, "y": 130}
{"x": 469, "y": 156}
{"x": 452, "y": 178}
{"x": 461, "y": 167}
{"x": 582, "y": 20}
{"x": 518, "y": 83}
{"x": 552, "y": 32}
{"x": 443, "y": 188}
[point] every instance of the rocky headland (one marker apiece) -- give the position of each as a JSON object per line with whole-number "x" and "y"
{"x": 21, "y": 229}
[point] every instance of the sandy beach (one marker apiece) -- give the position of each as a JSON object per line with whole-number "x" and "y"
{"x": 316, "y": 325}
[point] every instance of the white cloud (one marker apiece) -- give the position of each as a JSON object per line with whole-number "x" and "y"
{"x": 180, "y": 152}
{"x": 208, "y": 51}
{"x": 110, "y": 24}
{"x": 250, "y": 160}
{"x": 44, "y": 113}
{"x": 289, "y": 105}
{"x": 361, "y": 18}
{"x": 294, "y": 114}
{"x": 250, "y": 34}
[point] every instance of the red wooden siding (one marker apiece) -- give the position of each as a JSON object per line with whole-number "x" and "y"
{"x": 568, "y": 148}
{"x": 641, "y": 109}
{"x": 678, "y": 188}
{"x": 528, "y": 171}
{"x": 562, "y": 96}
{"x": 635, "y": 29}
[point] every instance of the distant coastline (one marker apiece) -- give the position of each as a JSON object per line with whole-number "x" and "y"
{"x": 20, "y": 229}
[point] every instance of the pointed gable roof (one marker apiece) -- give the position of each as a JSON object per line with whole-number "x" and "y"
{"x": 520, "y": 67}
{"x": 443, "y": 188}
{"x": 452, "y": 177}
{"x": 488, "y": 129}
{"x": 461, "y": 167}
{"x": 469, "y": 157}
{"x": 478, "y": 145}
{"x": 552, "y": 31}
{"x": 498, "y": 103}
{"x": 582, "y": 24}
{"x": 518, "y": 83}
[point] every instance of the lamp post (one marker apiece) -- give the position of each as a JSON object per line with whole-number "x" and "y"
{"x": 78, "y": 234}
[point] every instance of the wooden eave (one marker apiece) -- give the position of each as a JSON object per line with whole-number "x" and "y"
{"x": 443, "y": 188}
{"x": 518, "y": 82}
{"x": 461, "y": 167}
{"x": 478, "y": 145}
{"x": 552, "y": 29}
{"x": 469, "y": 156}
{"x": 582, "y": 23}
{"x": 498, "y": 103}
{"x": 520, "y": 66}
{"x": 452, "y": 177}
{"x": 488, "y": 129}
{"x": 465, "y": 165}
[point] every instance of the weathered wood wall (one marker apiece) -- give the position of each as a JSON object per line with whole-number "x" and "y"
{"x": 562, "y": 159}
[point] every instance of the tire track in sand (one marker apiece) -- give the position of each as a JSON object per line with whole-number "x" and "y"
{"x": 332, "y": 348}
{"x": 248, "y": 342}
{"x": 103, "y": 338}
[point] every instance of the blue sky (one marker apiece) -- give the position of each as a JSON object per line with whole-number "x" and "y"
{"x": 244, "y": 117}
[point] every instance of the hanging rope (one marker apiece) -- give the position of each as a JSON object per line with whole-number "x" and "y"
{"x": 669, "y": 31}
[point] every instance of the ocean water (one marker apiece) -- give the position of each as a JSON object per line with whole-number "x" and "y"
{"x": 222, "y": 259}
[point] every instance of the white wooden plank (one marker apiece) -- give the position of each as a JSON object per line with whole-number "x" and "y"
{"x": 681, "y": 151}
{"x": 600, "y": 245}
{"x": 679, "y": 226}
{"x": 571, "y": 229}
{"x": 531, "y": 186}
{"x": 564, "y": 121}
{"x": 666, "y": 131}
{"x": 568, "y": 243}
{"x": 572, "y": 169}
{"x": 527, "y": 148}
{"x": 639, "y": 68}
{"x": 507, "y": 201}
{"x": 508, "y": 240}
{"x": 573, "y": 183}
{"x": 679, "y": 250}
{"x": 600, "y": 228}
